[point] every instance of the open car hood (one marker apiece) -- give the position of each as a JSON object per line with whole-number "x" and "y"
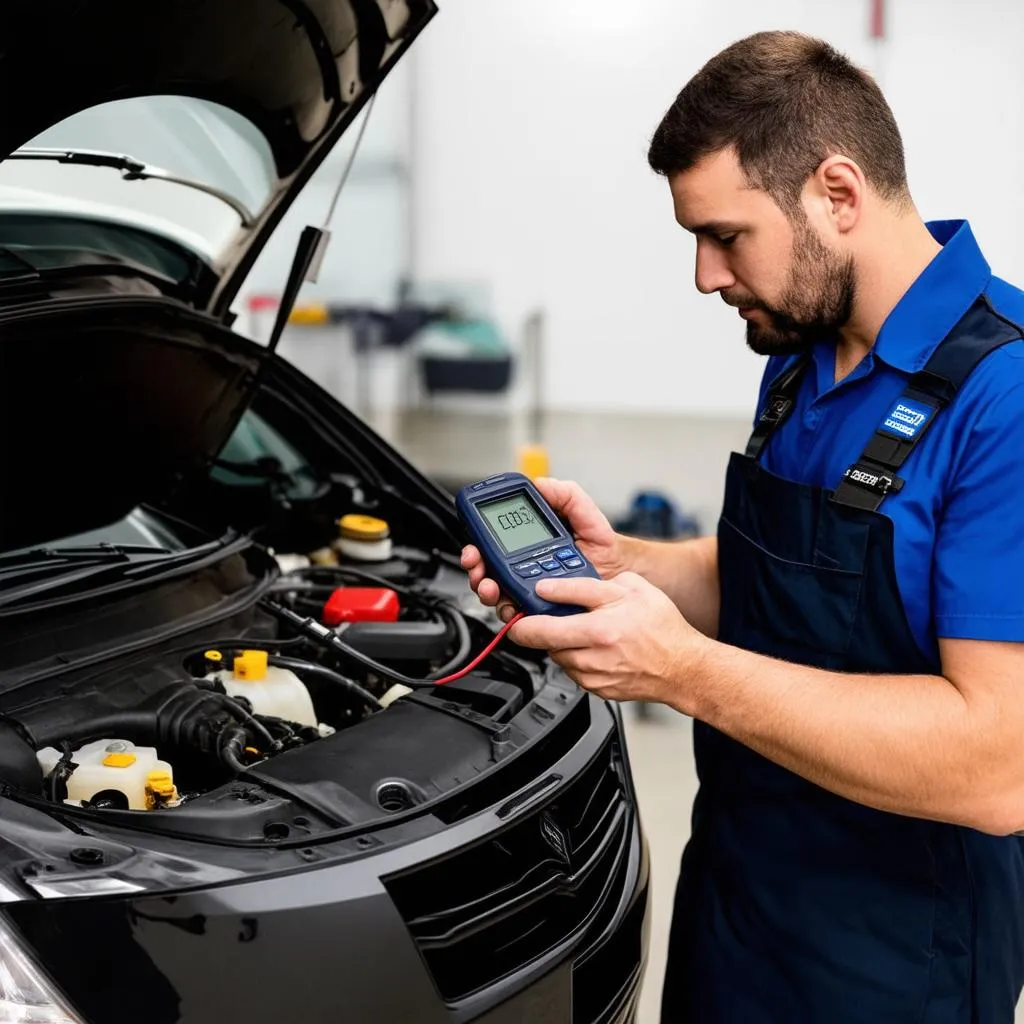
{"x": 292, "y": 74}
{"x": 111, "y": 394}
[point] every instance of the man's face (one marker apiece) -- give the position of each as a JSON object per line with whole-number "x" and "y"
{"x": 790, "y": 287}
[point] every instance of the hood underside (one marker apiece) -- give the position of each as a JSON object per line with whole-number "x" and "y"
{"x": 108, "y": 406}
{"x": 297, "y": 70}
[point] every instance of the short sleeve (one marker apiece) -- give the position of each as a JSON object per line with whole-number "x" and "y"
{"x": 978, "y": 578}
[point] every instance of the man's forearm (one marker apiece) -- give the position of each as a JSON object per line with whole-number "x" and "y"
{"x": 685, "y": 570}
{"x": 912, "y": 745}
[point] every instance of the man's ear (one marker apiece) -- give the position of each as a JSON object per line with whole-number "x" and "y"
{"x": 839, "y": 186}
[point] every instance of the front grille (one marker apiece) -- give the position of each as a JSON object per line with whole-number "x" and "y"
{"x": 489, "y": 910}
{"x": 606, "y": 984}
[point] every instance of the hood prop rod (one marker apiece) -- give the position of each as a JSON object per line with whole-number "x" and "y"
{"x": 305, "y": 263}
{"x": 309, "y": 253}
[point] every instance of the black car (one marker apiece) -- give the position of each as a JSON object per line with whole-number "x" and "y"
{"x": 231, "y": 785}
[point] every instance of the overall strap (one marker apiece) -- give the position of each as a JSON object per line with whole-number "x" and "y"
{"x": 873, "y": 477}
{"x": 781, "y": 397}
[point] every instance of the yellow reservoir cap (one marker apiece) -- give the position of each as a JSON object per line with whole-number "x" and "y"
{"x": 357, "y": 527}
{"x": 119, "y": 760}
{"x": 213, "y": 656}
{"x": 160, "y": 789}
{"x": 251, "y": 666}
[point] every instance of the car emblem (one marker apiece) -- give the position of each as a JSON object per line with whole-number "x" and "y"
{"x": 555, "y": 837}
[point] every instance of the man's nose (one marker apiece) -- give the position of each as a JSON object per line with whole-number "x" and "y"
{"x": 713, "y": 273}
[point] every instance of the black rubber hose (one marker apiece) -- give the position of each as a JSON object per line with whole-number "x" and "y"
{"x": 235, "y": 643}
{"x": 327, "y": 674}
{"x": 327, "y": 639}
{"x": 61, "y": 771}
{"x": 454, "y": 663}
{"x": 230, "y": 747}
{"x": 239, "y": 642}
{"x": 278, "y": 723}
{"x": 231, "y": 705}
{"x": 175, "y": 718}
{"x": 137, "y": 726}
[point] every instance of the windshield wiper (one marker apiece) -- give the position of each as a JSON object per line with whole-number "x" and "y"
{"x": 131, "y": 170}
{"x": 48, "y": 558}
{"x": 125, "y": 564}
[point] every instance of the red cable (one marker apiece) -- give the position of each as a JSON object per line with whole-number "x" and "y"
{"x": 483, "y": 654}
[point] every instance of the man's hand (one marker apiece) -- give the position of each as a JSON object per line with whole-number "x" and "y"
{"x": 593, "y": 535}
{"x": 631, "y": 644}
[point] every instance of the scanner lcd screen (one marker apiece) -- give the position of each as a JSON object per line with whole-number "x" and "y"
{"x": 516, "y": 522}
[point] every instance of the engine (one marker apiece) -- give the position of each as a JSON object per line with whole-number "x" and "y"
{"x": 345, "y": 634}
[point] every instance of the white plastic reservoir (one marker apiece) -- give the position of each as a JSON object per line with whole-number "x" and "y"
{"x": 116, "y": 766}
{"x": 273, "y": 691}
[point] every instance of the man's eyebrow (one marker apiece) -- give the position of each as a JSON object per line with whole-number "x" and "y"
{"x": 715, "y": 227}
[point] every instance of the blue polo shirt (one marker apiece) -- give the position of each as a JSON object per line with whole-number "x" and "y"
{"x": 959, "y": 520}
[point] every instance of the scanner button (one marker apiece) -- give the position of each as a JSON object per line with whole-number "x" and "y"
{"x": 573, "y": 563}
{"x": 565, "y": 553}
{"x": 479, "y": 487}
{"x": 528, "y": 570}
{"x": 550, "y": 565}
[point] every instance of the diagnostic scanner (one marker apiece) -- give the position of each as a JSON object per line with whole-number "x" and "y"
{"x": 521, "y": 539}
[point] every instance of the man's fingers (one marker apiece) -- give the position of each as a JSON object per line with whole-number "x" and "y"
{"x": 488, "y": 591}
{"x": 632, "y": 581}
{"x": 588, "y": 592}
{"x": 550, "y": 632}
{"x": 473, "y": 564}
{"x": 569, "y": 499}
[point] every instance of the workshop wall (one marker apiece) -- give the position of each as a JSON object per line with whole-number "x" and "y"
{"x": 532, "y": 122}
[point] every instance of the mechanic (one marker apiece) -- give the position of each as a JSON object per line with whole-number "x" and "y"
{"x": 849, "y": 645}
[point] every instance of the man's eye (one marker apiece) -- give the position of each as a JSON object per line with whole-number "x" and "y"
{"x": 726, "y": 240}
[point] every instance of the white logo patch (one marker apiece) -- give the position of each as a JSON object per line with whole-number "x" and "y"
{"x": 906, "y": 419}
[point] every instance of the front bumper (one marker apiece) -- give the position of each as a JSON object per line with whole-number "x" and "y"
{"x": 346, "y": 942}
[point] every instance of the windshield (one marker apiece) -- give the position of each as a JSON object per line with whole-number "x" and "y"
{"x": 189, "y": 138}
{"x": 142, "y": 527}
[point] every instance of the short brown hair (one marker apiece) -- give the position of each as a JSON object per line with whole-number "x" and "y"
{"x": 785, "y": 101}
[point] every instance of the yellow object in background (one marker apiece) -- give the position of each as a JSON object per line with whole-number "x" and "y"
{"x": 311, "y": 316}
{"x": 534, "y": 461}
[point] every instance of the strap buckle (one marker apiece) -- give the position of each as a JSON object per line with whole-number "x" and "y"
{"x": 873, "y": 478}
{"x": 777, "y": 409}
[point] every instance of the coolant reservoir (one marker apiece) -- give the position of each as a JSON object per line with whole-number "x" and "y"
{"x": 363, "y": 538}
{"x": 273, "y": 691}
{"x": 116, "y": 766}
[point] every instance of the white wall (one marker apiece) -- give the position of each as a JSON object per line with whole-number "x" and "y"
{"x": 533, "y": 118}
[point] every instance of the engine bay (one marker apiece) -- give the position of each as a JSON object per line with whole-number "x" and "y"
{"x": 290, "y": 687}
{"x": 324, "y": 694}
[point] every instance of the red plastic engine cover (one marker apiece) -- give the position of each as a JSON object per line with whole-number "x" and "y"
{"x": 361, "y": 604}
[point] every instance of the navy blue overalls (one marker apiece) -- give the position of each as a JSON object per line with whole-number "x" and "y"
{"x": 794, "y": 905}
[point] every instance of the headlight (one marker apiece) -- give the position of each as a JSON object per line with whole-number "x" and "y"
{"x": 26, "y": 996}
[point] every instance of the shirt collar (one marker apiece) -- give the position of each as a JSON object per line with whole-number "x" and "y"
{"x": 936, "y": 301}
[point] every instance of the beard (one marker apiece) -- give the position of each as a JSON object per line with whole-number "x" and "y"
{"x": 816, "y": 303}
